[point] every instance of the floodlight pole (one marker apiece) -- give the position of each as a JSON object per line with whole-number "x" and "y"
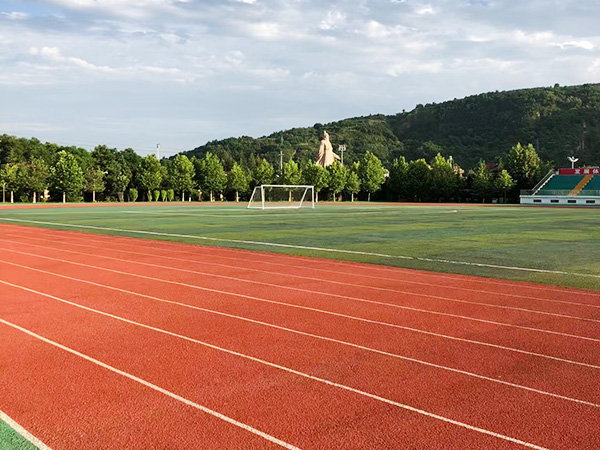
{"x": 573, "y": 161}
{"x": 158, "y": 151}
{"x": 281, "y": 160}
{"x": 342, "y": 149}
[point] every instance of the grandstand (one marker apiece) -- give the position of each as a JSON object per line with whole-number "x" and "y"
{"x": 566, "y": 187}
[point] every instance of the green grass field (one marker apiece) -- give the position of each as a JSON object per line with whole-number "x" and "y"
{"x": 445, "y": 238}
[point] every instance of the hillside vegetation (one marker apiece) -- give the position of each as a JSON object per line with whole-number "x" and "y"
{"x": 558, "y": 121}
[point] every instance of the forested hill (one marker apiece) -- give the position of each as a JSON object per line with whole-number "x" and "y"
{"x": 558, "y": 121}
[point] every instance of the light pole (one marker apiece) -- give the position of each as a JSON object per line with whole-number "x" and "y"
{"x": 342, "y": 149}
{"x": 573, "y": 161}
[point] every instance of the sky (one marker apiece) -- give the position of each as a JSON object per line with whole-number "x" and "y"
{"x": 135, "y": 73}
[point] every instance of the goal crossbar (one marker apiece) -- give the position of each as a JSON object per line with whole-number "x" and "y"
{"x": 282, "y": 196}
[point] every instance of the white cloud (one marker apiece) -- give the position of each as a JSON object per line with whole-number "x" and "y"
{"x": 594, "y": 68}
{"x": 585, "y": 45}
{"x": 53, "y": 54}
{"x": 425, "y": 10}
{"x": 264, "y": 30}
{"x": 215, "y": 60}
{"x": 15, "y": 15}
{"x": 334, "y": 19}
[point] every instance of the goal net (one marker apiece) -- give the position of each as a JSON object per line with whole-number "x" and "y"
{"x": 280, "y": 196}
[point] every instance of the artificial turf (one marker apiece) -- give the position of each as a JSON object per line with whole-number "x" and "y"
{"x": 412, "y": 236}
{"x": 11, "y": 440}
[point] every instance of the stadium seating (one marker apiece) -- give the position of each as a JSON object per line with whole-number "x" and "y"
{"x": 593, "y": 187}
{"x": 560, "y": 185}
{"x": 568, "y": 187}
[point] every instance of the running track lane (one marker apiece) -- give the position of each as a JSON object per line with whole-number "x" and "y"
{"x": 591, "y": 428}
{"x": 463, "y": 354}
{"x": 298, "y": 410}
{"x": 334, "y": 270}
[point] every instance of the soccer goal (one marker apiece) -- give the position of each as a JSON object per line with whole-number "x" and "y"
{"x": 282, "y": 196}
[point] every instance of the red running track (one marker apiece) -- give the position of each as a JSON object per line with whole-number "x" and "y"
{"x": 112, "y": 342}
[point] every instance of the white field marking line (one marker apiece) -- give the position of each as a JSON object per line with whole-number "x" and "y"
{"x": 573, "y": 291}
{"x": 23, "y": 432}
{"x": 314, "y": 336}
{"x": 205, "y": 238}
{"x": 260, "y": 361}
{"x": 292, "y": 215}
{"x": 301, "y": 247}
{"x": 303, "y": 277}
{"x": 321, "y": 311}
{"x": 143, "y": 382}
{"x": 195, "y": 272}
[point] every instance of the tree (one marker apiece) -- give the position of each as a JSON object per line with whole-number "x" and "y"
{"x": 371, "y": 174}
{"x": 150, "y": 174}
{"x": 503, "y": 182}
{"x": 338, "y": 175}
{"x": 120, "y": 177}
{"x": 181, "y": 174}
{"x": 106, "y": 160}
{"x": 32, "y": 177}
{"x": 67, "y": 176}
{"x": 442, "y": 178}
{"x": 398, "y": 179}
{"x": 315, "y": 175}
{"x": 352, "y": 184}
{"x": 10, "y": 179}
{"x": 482, "y": 181}
{"x": 291, "y": 175}
{"x": 263, "y": 173}
{"x": 522, "y": 163}
{"x": 94, "y": 181}
{"x": 210, "y": 174}
{"x": 238, "y": 181}
{"x": 418, "y": 179}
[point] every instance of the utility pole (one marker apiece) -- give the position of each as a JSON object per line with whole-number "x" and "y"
{"x": 342, "y": 149}
{"x": 281, "y": 160}
{"x": 158, "y": 151}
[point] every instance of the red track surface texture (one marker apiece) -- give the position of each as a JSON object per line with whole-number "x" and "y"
{"x": 112, "y": 343}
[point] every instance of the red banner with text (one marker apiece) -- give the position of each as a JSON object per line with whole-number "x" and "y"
{"x": 580, "y": 171}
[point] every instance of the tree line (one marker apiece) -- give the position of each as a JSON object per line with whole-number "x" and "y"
{"x": 33, "y": 171}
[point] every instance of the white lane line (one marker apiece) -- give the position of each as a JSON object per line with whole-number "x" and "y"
{"x": 302, "y": 247}
{"x": 303, "y": 277}
{"x": 321, "y": 311}
{"x": 23, "y": 432}
{"x": 437, "y": 297}
{"x": 86, "y": 237}
{"x": 216, "y": 414}
{"x": 260, "y": 361}
{"x": 314, "y": 336}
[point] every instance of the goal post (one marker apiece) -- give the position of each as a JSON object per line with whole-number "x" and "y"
{"x": 282, "y": 196}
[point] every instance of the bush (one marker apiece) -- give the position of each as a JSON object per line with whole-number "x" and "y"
{"x": 163, "y": 195}
{"x": 155, "y": 195}
{"x": 170, "y": 195}
{"x": 133, "y": 194}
